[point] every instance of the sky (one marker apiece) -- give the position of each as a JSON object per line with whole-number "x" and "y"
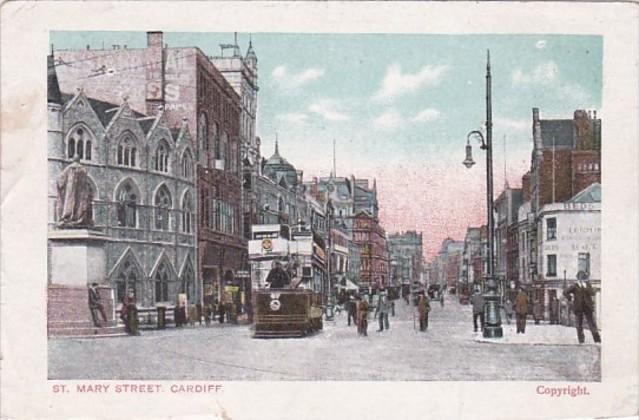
{"x": 399, "y": 107}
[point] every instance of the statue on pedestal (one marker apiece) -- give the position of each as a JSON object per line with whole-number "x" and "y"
{"x": 75, "y": 197}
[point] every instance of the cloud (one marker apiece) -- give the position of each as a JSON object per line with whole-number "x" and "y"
{"x": 290, "y": 81}
{"x": 511, "y": 124}
{"x": 574, "y": 92}
{"x": 544, "y": 73}
{"x": 396, "y": 83}
{"x": 329, "y": 110}
{"x": 293, "y": 117}
{"x": 541, "y": 44}
{"x": 427, "y": 115}
{"x": 389, "y": 119}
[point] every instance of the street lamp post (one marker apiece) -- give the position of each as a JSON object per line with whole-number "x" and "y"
{"x": 492, "y": 328}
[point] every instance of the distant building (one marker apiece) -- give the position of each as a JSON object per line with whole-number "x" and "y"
{"x": 506, "y": 209}
{"x": 472, "y": 249}
{"x": 448, "y": 263}
{"x": 406, "y": 250}
{"x": 369, "y": 235}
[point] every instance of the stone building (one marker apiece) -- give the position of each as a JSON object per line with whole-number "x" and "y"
{"x": 142, "y": 174}
{"x": 241, "y": 72}
{"x": 406, "y": 256}
{"x": 472, "y": 248}
{"x": 506, "y": 214}
{"x": 185, "y": 84}
{"x": 280, "y": 192}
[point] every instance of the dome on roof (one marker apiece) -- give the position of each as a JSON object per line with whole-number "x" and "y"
{"x": 277, "y": 167}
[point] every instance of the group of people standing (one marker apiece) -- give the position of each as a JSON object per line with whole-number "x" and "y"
{"x": 357, "y": 309}
{"x": 580, "y": 294}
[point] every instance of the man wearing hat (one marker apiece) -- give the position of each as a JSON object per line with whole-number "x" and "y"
{"x": 95, "y": 305}
{"x": 582, "y": 293}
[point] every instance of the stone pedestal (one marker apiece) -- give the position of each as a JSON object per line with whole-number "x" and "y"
{"x": 77, "y": 259}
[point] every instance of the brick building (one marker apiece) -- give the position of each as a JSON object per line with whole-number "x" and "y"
{"x": 369, "y": 235}
{"x": 185, "y": 84}
{"x": 565, "y": 164}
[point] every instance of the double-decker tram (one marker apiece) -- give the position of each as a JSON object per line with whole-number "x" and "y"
{"x": 288, "y": 269}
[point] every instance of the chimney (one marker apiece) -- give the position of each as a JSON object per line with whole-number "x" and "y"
{"x": 154, "y": 39}
{"x": 154, "y": 57}
{"x": 536, "y": 128}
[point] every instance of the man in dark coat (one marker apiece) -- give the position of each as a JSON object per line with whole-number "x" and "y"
{"x": 129, "y": 314}
{"x": 277, "y": 277}
{"x": 351, "y": 309}
{"x": 477, "y": 300}
{"x": 423, "y": 307}
{"x": 521, "y": 310}
{"x": 582, "y": 294}
{"x": 362, "y": 316}
{"x": 95, "y": 305}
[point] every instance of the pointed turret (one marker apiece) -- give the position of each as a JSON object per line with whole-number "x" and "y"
{"x": 53, "y": 87}
{"x": 251, "y": 57}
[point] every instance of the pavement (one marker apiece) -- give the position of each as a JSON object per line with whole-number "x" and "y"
{"x": 449, "y": 350}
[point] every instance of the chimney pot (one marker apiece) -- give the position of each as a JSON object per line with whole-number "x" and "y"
{"x": 535, "y": 114}
{"x": 154, "y": 39}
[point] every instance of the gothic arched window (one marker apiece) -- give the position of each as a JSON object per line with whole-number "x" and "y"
{"x": 187, "y": 213}
{"x": 126, "y": 205}
{"x": 162, "y": 208}
{"x": 187, "y": 165}
{"x": 79, "y": 143}
{"x": 127, "y": 281}
{"x": 162, "y": 277}
{"x": 187, "y": 283}
{"x": 127, "y": 152}
{"x": 161, "y": 163}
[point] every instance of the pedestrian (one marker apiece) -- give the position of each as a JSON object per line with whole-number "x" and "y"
{"x": 392, "y": 306}
{"x": 179, "y": 313}
{"x": 441, "y": 297}
{"x": 538, "y": 311}
{"x": 554, "y": 310}
{"x": 351, "y": 310}
{"x": 423, "y": 308}
{"x": 129, "y": 315}
{"x": 220, "y": 312}
{"x": 508, "y": 310}
{"x": 362, "y": 317}
{"x": 95, "y": 305}
{"x": 583, "y": 306}
{"x": 381, "y": 311}
{"x": 477, "y": 300}
{"x": 521, "y": 310}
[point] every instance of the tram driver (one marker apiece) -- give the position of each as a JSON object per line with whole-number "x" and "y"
{"x": 278, "y": 278}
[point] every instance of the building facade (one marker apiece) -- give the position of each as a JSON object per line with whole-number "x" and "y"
{"x": 143, "y": 182}
{"x": 184, "y": 83}
{"x": 406, "y": 256}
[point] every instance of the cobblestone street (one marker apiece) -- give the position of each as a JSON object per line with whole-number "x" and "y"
{"x": 449, "y": 350}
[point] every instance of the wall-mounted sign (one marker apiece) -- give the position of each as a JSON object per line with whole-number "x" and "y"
{"x": 267, "y": 244}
